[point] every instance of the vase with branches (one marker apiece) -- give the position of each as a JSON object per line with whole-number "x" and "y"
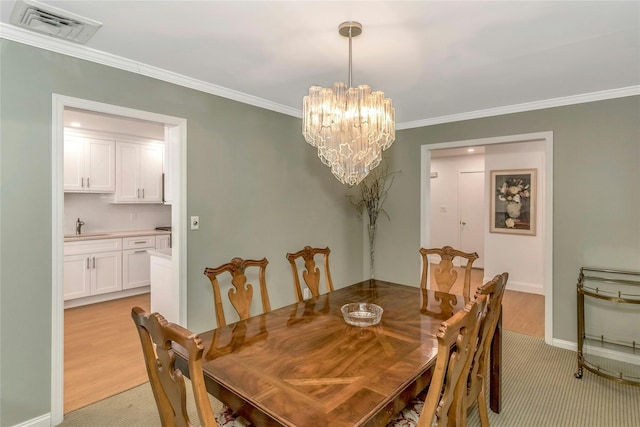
{"x": 374, "y": 190}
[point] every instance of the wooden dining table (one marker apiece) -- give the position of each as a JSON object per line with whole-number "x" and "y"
{"x": 303, "y": 365}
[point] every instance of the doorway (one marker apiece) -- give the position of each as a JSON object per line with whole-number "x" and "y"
{"x": 545, "y": 140}
{"x": 176, "y": 138}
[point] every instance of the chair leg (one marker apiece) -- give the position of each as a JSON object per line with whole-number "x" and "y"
{"x": 482, "y": 406}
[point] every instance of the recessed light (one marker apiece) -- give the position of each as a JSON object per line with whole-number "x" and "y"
{"x": 470, "y": 150}
{"x": 75, "y": 124}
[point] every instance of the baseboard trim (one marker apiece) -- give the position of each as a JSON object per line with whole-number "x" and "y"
{"x": 41, "y": 421}
{"x": 529, "y": 288}
{"x": 106, "y": 297}
{"x": 633, "y": 359}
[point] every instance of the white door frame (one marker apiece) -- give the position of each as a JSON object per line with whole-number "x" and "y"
{"x": 177, "y": 133}
{"x": 425, "y": 190}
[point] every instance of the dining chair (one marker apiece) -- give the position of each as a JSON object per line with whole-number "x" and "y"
{"x": 241, "y": 292}
{"x": 444, "y": 402}
{"x": 477, "y": 382}
{"x": 445, "y": 275}
{"x": 157, "y": 336}
{"x": 311, "y": 274}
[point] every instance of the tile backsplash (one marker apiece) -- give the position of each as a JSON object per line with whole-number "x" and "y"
{"x": 100, "y": 214}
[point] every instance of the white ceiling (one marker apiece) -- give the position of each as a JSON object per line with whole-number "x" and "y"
{"x": 437, "y": 61}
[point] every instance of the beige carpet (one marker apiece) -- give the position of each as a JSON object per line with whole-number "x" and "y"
{"x": 539, "y": 389}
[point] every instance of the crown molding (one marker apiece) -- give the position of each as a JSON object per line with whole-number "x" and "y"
{"x": 527, "y": 106}
{"x": 82, "y": 52}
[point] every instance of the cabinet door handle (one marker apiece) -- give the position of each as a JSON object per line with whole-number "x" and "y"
{"x": 138, "y": 195}
{"x": 88, "y": 182}
{"x": 94, "y": 262}
{"x": 87, "y": 263}
{"x": 82, "y": 182}
{"x": 139, "y": 243}
{"x": 143, "y": 193}
{"x": 163, "y": 199}
{"x": 140, "y": 252}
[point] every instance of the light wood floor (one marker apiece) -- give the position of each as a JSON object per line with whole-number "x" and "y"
{"x": 103, "y": 356}
{"x": 521, "y": 312}
{"x": 102, "y": 351}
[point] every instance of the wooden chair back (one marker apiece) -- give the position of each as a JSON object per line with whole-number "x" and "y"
{"x": 457, "y": 338}
{"x": 311, "y": 274}
{"x": 445, "y": 275}
{"x": 167, "y": 382}
{"x": 241, "y": 294}
{"x": 477, "y": 383}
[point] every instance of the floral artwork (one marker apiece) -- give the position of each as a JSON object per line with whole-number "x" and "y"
{"x": 513, "y": 204}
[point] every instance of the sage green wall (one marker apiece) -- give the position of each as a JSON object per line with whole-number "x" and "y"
{"x": 260, "y": 191}
{"x": 596, "y": 186}
{"x": 258, "y": 188}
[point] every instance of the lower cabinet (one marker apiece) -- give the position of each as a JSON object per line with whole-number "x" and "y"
{"x": 96, "y": 267}
{"x": 92, "y": 267}
{"x": 77, "y": 276}
{"x": 163, "y": 241}
{"x": 106, "y": 272}
{"x": 135, "y": 262}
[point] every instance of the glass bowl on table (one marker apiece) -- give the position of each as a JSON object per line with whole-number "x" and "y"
{"x": 361, "y": 314}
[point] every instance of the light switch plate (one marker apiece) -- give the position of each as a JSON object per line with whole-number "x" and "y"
{"x": 195, "y": 222}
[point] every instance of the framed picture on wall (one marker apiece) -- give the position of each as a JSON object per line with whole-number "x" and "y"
{"x": 513, "y": 203}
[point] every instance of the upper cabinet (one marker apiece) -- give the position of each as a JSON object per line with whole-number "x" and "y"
{"x": 89, "y": 164}
{"x": 132, "y": 167}
{"x": 139, "y": 172}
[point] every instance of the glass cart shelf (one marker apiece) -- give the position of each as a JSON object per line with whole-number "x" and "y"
{"x": 610, "y": 286}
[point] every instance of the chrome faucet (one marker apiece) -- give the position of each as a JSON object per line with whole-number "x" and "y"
{"x": 79, "y": 225}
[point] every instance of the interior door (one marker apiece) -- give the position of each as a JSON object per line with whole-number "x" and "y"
{"x": 471, "y": 206}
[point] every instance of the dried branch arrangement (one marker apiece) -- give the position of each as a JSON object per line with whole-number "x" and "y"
{"x": 374, "y": 190}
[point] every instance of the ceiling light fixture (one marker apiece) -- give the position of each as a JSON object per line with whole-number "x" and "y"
{"x": 351, "y": 127}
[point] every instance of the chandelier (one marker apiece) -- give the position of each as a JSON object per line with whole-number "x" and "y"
{"x": 350, "y": 126}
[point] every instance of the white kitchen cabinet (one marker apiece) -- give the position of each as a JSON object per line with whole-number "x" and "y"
{"x": 139, "y": 169}
{"x": 92, "y": 267}
{"x": 106, "y": 272}
{"x": 89, "y": 164}
{"x": 77, "y": 276}
{"x": 135, "y": 261}
{"x": 163, "y": 241}
{"x": 164, "y": 293}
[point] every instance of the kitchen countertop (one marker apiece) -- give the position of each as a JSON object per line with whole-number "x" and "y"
{"x": 99, "y": 235}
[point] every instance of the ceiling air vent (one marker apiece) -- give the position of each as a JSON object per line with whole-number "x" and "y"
{"x": 52, "y": 21}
